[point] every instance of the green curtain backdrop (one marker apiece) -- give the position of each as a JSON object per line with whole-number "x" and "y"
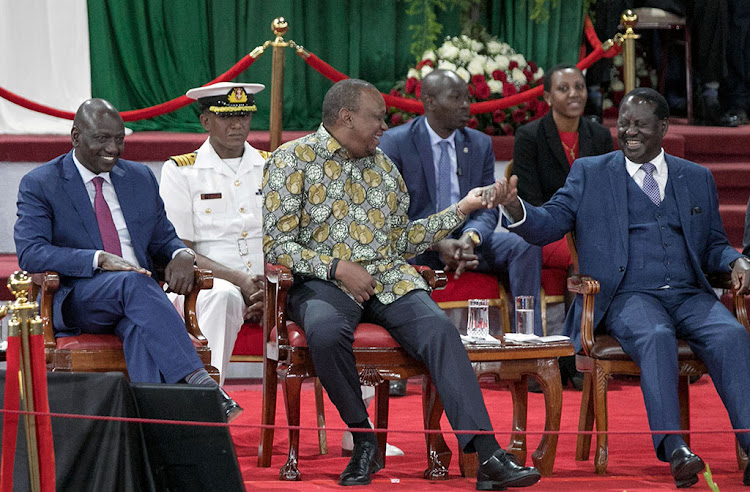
{"x": 145, "y": 52}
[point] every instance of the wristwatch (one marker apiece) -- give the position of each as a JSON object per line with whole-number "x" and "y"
{"x": 474, "y": 237}
{"x": 191, "y": 253}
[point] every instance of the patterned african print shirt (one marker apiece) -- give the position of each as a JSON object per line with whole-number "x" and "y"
{"x": 321, "y": 204}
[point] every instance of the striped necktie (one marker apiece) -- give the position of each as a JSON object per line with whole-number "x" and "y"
{"x": 107, "y": 229}
{"x": 444, "y": 177}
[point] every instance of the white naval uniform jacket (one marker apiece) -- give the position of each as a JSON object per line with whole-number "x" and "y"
{"x": 216, "y": 209}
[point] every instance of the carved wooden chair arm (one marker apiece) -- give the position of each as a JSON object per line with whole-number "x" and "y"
{"x": 588, "y": 287}
{"x": 204, "y": 279}
{"x": 279, "y": 280}
{"x": 47, "y": 283}
{"x": 723, "y": 280}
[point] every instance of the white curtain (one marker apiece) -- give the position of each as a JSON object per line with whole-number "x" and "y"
{"x": 44, "y": 57}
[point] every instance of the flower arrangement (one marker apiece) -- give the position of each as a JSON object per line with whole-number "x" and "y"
{"x": 491, "y": 69}
{"x": 644, "y": 77}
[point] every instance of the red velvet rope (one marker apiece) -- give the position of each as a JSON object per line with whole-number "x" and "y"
{"x": 415, "y": 105}
{"x": 43, "y": 422}
{"x": 135, "y": 114}
{"x": 10, "y": 419}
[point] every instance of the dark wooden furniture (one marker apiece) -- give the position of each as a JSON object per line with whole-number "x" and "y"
{"x": 602, "y": 357}
{"x": 510, "y": 363}
{"x": 286, "y": 356}
{"x": 103, "y": 353}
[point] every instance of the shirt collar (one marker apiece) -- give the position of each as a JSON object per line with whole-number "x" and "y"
{"x": 87, "y": 175}
{"x": 329, "y": 145}
{"x": 435, "y": 139}
{"x": 659, "y": 162}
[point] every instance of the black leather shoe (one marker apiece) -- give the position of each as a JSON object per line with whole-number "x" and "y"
{"x": 397, "y": 387}
{"x": 685, "y": 467}
{"x": 746, "y": 474}
{"x": 231, "y": 408}
{"x": 502, "y": 471}
{"x": 366, "y": 459}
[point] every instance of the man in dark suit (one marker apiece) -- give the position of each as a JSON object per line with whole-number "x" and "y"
{"x": 417, "y": 149}
{"x": 98, "y": 221}
{"x": 647, "y": 226}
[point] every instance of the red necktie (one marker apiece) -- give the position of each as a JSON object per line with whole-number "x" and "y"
{"x": 107, "y": 229}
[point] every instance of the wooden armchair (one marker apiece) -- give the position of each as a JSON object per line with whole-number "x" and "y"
{"x": 103, "y": 353}
{"x": 602, "y": 357}
{"x": 286, "y": 356}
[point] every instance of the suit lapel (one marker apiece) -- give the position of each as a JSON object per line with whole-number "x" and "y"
{"x": 618, "y": 182}
{"x": 127, "y": 195}
{"x": 424, "y": 150}
{"x": 553, "y": 141}
{"x": 682, "y": 196}
{"x": 79, "y": 197}
{"x": 467, "y": 167}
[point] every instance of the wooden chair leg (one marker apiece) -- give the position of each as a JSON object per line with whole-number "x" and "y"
{"x": 438, "y": 453}
{"x": 585, "y": 419}
{"x": 292, "y": 389}
{"x": 741, "y": 456}
{"x": 268, "y": 413}
{"x": 600, "y": 416}
{"x": 381, "y": 414}
{"x": 683, "y": 392}
{"x": 321, "y": 414}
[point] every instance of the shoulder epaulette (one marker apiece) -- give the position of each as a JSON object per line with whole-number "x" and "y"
{"x": 264, "y": 153}
{"x": 184, "y": 159}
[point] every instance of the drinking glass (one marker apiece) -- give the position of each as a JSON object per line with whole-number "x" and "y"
{"x": 525, "y": 315}
{"x": 478, "y": 326}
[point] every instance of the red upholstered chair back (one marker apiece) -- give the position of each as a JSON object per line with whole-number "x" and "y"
{"x": 473, "y": 285}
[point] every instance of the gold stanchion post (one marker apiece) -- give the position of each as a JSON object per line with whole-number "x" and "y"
{"x": 629, "y": 21}
{"x": 279, "y": 26}
{"x": 24, "y": 315}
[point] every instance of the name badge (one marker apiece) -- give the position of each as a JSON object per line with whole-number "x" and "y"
{"x": 210, "y": 196}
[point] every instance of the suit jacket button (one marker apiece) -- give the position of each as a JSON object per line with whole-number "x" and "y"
{"x": 622, "y": 268}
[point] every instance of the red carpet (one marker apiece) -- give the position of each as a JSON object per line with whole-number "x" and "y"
{"x": 632, "y": 462}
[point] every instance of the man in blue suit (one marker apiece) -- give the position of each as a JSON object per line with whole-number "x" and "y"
{"x": 99, "y": 222}
{"x": 647, "y": 227}
{"x": 435, "y": 182}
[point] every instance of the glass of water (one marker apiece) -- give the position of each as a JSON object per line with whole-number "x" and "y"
{"x": 525, "y": 315}
{"x": 478, "y": 326}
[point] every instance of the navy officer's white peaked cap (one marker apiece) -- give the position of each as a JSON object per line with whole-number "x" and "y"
{"x": 226, "y": 98}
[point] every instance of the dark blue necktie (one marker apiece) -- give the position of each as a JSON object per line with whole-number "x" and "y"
{"x": 650, "y": 187}
{"x": 444, "y": 177}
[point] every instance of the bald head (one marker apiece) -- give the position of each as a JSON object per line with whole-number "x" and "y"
{"x": 445, "y": 96}
{"x": 98, "y": 135}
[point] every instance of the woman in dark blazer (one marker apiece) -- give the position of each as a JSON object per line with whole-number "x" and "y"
{"x": 544, "y": 149}
{"x": 543, "y": 152}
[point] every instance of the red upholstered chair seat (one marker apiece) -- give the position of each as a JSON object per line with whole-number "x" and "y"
{"x": 88, "y": 341}
{"x": 366, "y": 335}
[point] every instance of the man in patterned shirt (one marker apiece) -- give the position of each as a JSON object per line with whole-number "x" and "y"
{"x": 335, "y": 214}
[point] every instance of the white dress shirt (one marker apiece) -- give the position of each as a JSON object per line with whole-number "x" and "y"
{"x": 435, "y": 140}
{"x": 660, "y": 174}
{"x": 110, "y": 196}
